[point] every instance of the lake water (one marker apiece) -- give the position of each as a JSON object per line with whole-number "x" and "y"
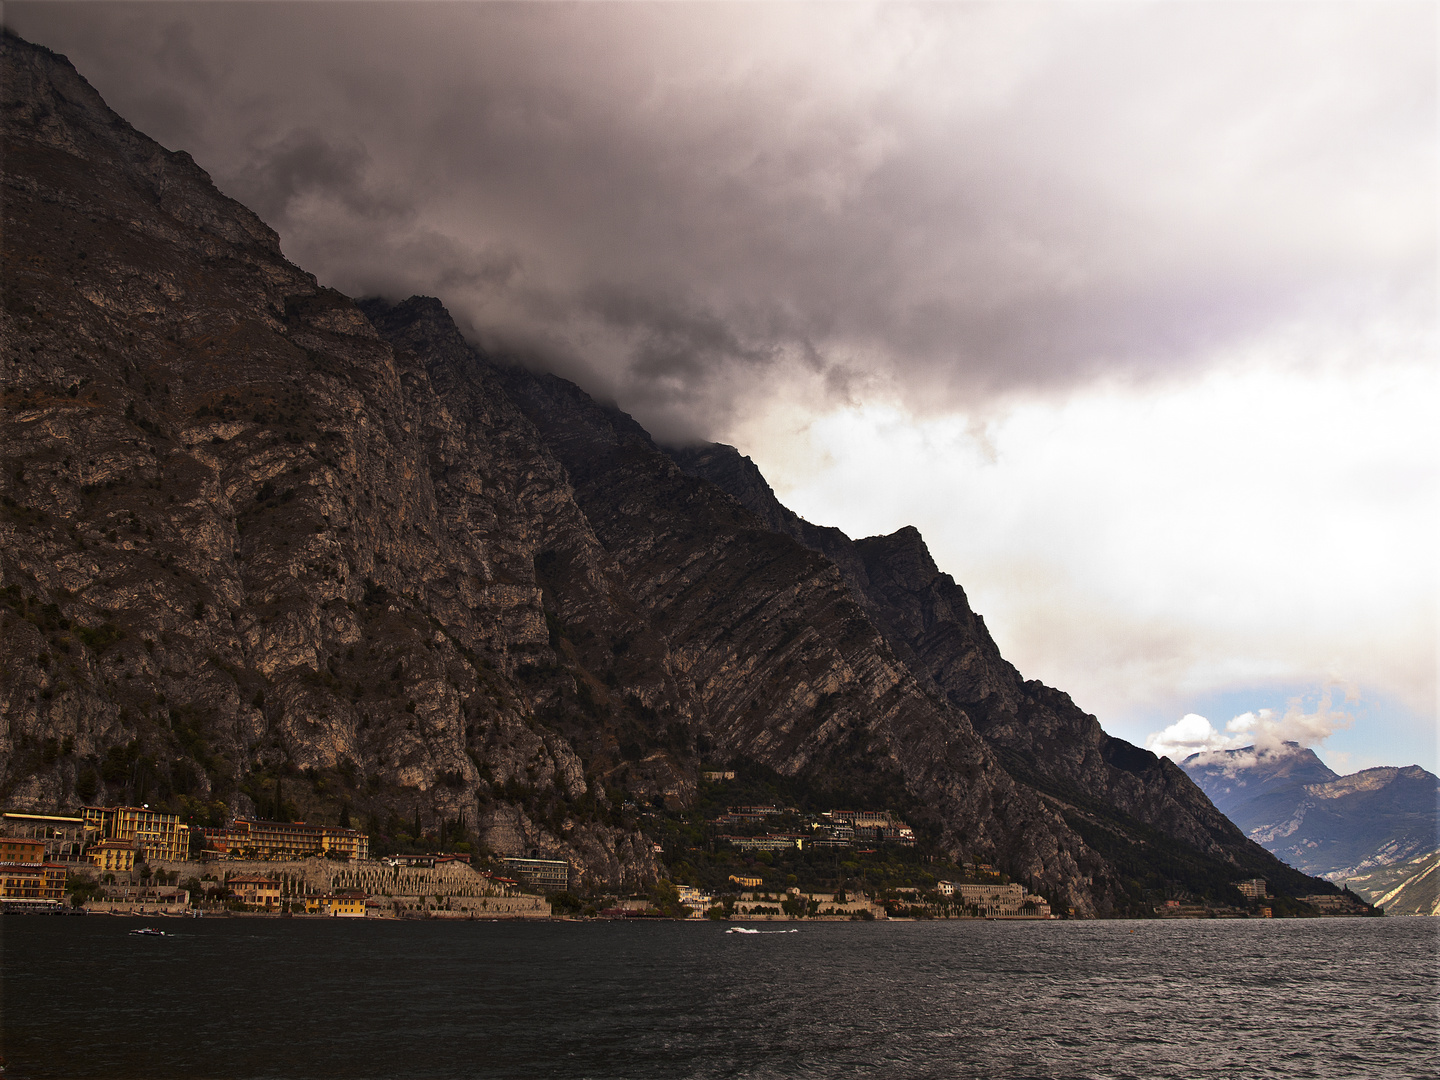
{"x": 297, "y": 999}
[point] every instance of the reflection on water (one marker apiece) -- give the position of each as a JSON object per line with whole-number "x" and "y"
{"x": 302, "y": 999}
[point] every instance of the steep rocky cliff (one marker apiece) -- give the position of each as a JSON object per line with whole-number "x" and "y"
{"x": 250, "y": 551}
{"x": 1116, "y": 795}
{"x": 265, "y": 549}
{"x": 699, "y": 630}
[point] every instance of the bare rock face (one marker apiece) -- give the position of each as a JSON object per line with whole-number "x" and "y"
{"x": 1114, "y": 793}
{"x": 723, "y": 634}
{"x": 263, "y": 549}
{"x": 243, "y": 537}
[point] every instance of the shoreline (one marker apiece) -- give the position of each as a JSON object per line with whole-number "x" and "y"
{"x": 467, "y": 917}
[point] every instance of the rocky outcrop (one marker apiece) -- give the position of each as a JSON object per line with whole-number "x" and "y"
{"x": 732, "y": 638}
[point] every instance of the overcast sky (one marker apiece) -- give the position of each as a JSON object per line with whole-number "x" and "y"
{"x": 1129, "y": 307}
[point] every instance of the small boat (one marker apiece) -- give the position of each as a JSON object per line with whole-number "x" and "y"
{"x": 741, "y": 930}
{"x": 149, "y": 931}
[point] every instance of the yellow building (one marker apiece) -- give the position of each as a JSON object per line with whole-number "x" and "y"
{"x": 348, "y": 904}
{"x": 156, "y": 835}
{"x": 32, "y": 881}
{"x": 251, "y": 837}
{"x": 345, "y": 904}
{"x": 113, "y": 856}
{"x": 348, "y": 842}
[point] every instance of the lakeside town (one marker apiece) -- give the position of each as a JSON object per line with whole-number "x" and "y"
{"x": 128, "y": 860}
{"x": 142, "y": 861}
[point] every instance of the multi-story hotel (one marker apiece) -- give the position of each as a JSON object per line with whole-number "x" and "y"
{"x": 1253, "y": 889}
{"x": 540, "y": 873}
{"x": 253, "y": 838}
{"x": 24, "y": 873}
{"x": 156, "y": 835}
{"x": 874, "y": 825}
{"x": 997, "y": 900}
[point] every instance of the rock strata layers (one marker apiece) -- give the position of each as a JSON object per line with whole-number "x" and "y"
{"x": 1115, "y": 794}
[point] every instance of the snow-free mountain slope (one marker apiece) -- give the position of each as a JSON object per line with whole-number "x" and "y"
{"x": 1331, "y": 826}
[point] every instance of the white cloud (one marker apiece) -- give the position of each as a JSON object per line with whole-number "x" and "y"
{"x": 1262, "y": 729}
{"x": 1191, "y": 734}
{"x": 1135, "y": 544}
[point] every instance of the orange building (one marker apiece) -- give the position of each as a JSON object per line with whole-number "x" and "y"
{"x": 66, "y": 838}
{"x": 21, "y": 849}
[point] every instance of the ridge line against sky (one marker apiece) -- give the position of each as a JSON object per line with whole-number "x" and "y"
{"x": 1130, "y": 309}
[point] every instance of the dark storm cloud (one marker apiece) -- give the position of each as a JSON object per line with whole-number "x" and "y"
{"x": 305, "y": 163}
{"x": 676, "y": 203}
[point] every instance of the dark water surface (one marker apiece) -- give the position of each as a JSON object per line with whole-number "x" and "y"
{"x": 352, "y": 999}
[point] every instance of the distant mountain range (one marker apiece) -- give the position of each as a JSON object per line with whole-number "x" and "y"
{"x": 1374, "y": 830}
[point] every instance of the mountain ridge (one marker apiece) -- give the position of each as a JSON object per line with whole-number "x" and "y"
{"x": 256, "y": 534}
{"x": 1041, "y": 736}
{"x": 1333, "y": 826}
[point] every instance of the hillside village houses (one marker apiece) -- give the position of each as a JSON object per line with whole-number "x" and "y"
{"x": 130, "y": 859}
{"x": 135, "y": 857}
{"x": 833, "y": 828}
